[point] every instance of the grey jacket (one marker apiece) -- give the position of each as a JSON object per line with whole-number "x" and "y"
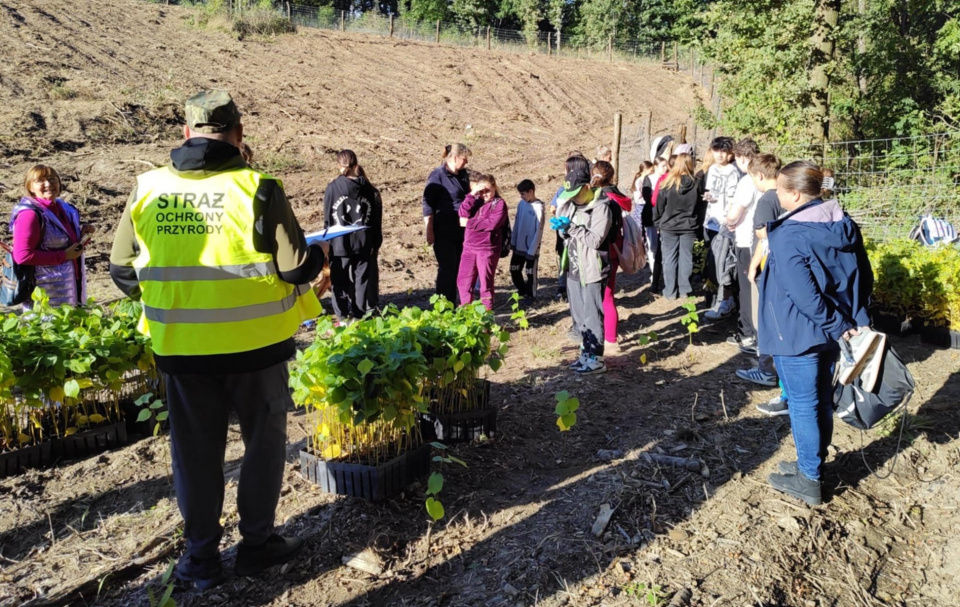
{"x": 588, "y": 240}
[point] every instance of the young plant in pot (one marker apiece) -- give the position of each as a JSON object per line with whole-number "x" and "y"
{"x": 457, "y": 344}
{"x": 361, "y": 387}
{"x": 940, "y": 273}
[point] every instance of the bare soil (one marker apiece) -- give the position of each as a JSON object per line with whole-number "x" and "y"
{"x": 96, "y": 92}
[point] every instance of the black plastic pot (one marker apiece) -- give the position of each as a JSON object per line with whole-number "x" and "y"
{"x": 35, "y": 456}
{"x": 459, "y": 427}
{"x": 369, "y": 482}
{"x": 90, "y": 442}
{"x": 941, "y": 337}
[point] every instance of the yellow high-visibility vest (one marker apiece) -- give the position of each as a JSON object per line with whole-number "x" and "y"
{"x": 205, "y": 289}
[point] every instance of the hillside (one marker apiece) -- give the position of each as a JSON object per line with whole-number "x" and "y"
{"x": 97, "y": 93}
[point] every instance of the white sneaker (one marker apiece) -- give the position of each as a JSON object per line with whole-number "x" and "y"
{"x": 577, "y": 364}
{"x": 856, "y": 352}
{"x": 592, "y": 364}
{"x": 871, "y": 369}
{"x": 721, "y": 311}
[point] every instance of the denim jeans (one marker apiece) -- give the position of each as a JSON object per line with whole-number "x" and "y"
{"x": 808, "y": 381}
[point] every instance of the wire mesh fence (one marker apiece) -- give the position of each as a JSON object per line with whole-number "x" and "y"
{"x": 670, "y": 55}
{"x": 887, "y": 184}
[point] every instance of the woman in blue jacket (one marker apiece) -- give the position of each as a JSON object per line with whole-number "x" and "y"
{"x": 814, "y": 291}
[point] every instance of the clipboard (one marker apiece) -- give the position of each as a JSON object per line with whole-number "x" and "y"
{"x": 331, "y": 233}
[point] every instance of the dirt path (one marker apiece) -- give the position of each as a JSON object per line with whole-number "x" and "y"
{"x": 82, "y": 93}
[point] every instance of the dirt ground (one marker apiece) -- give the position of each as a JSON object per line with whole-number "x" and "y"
{"x": 96, "y": 93}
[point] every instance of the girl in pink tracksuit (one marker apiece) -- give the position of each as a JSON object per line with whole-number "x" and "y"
{"x": 484, "y": 215}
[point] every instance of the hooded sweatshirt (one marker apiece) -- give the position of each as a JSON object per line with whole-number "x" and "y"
{"x": 817, "y": 281}
{"x": 681, "y": 208}
{"x": 347, "y": 202}
{"x": 276, "y": 231}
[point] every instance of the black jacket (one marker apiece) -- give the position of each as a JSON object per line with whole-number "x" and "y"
{"x": 347, "y": 202}
{"x": 646, "y": 192}
{"x": 680, "y": 208}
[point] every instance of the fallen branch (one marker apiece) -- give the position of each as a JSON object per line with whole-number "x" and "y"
{"x": 688, "y": 463}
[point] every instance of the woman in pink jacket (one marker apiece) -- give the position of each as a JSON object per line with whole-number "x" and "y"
{"x": 484, "y": 215}
{"x": 47, "y": 235}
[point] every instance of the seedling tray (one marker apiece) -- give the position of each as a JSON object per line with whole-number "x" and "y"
{"x": 49, "y": 452}
{"x": 941, "y": 337}
{"x": 373, "y": 483}
{"x": 459, "y": 427}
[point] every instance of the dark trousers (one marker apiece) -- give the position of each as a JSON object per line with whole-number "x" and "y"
{"x": 656, "y": 280}
{"x": 448, "y": 249}
{"x": 677, "y": 263}
{"x": 355, "y": 281}
{"x": 747, "y": 328}
{"x": 200, "y": 407}
{"x": 586, "y": 308}
{"x": 524, "y": 274}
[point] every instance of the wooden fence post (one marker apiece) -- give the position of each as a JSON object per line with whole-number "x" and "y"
{"x": 488, "y": 37}
{"x": 649, "y": 141}
{"x": 617, "y": 130}
{"x": 549, "y": 45}
{"x": 676, "y": 55}
{"x": 438, "y": 31}
{"x": 663, "y": 51}
{"x": 683, "y": 133}
{"x": 391, "y": 26}
{"x": 289, "y": 11}
{"x": 558, "y": 42}
{"x": 693, "y": 62}
{"x": 343, "y": 17}
{"x": 610, "y": 48}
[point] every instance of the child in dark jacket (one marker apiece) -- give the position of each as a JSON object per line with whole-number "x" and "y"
{"x": 679, "y": 216}
{"x": 484, "y": 215}
{"x": 350, "y": 199}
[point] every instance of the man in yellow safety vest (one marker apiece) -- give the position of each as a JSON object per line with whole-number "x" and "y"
{"x": 214, "y": 252}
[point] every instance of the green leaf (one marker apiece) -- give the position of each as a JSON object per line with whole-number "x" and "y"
{"x": 503, "y": 337}
{"x": 157, "y": 404}
{"x": 143, "y": 416}
{"x": 71, "y": 388}
{"x": 565, "y": 422}
{"x": 561, "y": 396}
{"x": 162, "y": 416}
{"x": 435, "y": 483}
{"x": 434, "y": 509}
{"x": 437, "y": 445}
{"x": 561, "y": 408}
{"x": 495, "y": 364}
{"x": 457, "y": 460}
{"x": 573, "y": 404}
{"x": 692, "y": 327}
{"x": 365, "y": 366}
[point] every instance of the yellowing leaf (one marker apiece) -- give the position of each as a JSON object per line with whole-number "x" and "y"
{"x": 83, "y": 421}
{"x": 69, "y": 431}
{"x": 331, "y": 451}
{"x": 565, "y": 422}
{"x": 643, "y": 358}
{"x": 24, "y": 438}
{"x": 96, "y": 418}
{"x": 56, "y": 394}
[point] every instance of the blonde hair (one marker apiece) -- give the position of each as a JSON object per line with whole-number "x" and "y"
{"x": 38, "y": 173}
{"x": 707, "y": 162}
{"x": 682, "y": 167}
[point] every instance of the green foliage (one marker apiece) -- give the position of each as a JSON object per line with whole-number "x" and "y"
{"x": 64, "y": 369}
{"x": 518, "y": 316}
{"x": 911, "y": 280}
{"x": 652, "y": 594}
{"x": 151, "y": 409}
{"x": 365, "y": 382}
{"x": 691, "y": 320}
{"x": 435, "y": 482}
{"x": 167, "y": 584}
{"x": 566, "y": 410}
{"x": 646, "y": 340}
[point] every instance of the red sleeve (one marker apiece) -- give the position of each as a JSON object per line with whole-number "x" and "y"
{"x": 26, "y": 238}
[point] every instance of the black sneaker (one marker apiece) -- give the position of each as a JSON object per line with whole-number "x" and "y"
{"x": 775, "y": 406}
{"x": 797, "y": 486}
{"x": 788, "y": 468}
{"x": 204, "y": 573}
{"x": 561, "y": 296}
{"x": 251, "y": 560}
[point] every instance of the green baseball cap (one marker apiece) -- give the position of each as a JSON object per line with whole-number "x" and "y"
{"x": 211, "y": 111}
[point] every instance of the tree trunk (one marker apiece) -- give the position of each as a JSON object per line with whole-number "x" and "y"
{"x": 822, "y": 46}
